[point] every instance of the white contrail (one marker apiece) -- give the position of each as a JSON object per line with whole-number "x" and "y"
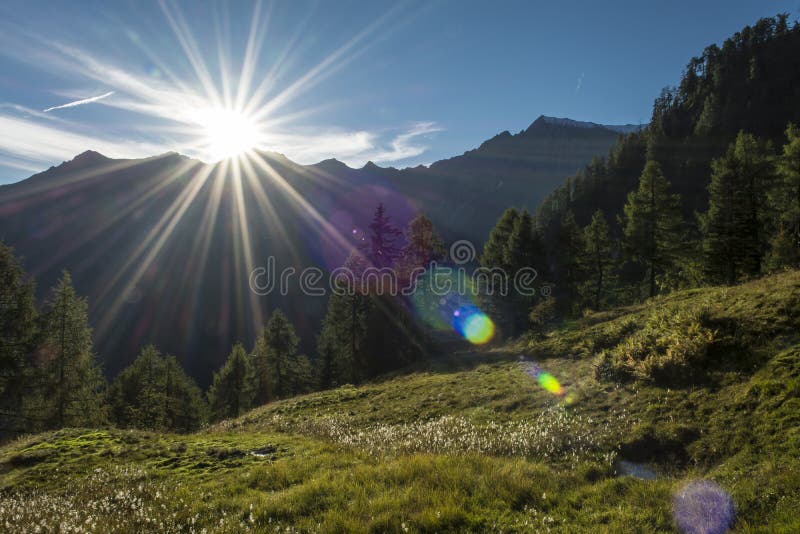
{"x": 81, "y": 102}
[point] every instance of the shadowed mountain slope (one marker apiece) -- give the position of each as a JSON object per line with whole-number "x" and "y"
{"x": 163, "y": 247}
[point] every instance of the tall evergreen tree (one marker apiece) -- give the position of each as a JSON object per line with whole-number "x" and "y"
{"x": 734, "y": 242}
{"x": 279, "y": 370}
{"x": 341, "y": 340}
{"x": 653, "y": 225}
{"x": 598, "y": 259}
{"x": 383, "y": 247}
{"x": 423, "y": 245}
{"x": 185, "y": 409}
{"x": 18, "y": 331}
{"x": 365, "y": 332}
{"x": 569, "y": 260}
{"x": 524, "y": 250}
{"x": 233, "y": 389}
{"x": 71, "y": 383}
{"x": 495, "y": 257}
{"x": 495, "y": 249}
{"x": 784, "y": 200}
{"x": 155, "y": 393}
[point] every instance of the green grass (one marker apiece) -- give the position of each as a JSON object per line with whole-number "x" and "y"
{"x": 470, "y": 442}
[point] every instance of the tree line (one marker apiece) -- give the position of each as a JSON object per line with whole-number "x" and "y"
{"x": 751, "y": 227}
{"x": 50, "y": 376}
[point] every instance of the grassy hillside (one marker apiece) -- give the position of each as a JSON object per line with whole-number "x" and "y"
{"x": 698, "y": 385}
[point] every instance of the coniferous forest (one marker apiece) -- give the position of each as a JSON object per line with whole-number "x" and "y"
{"x": 620, "y": 351}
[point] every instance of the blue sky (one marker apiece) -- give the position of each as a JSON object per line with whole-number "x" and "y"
{"x": 396, "y": 83}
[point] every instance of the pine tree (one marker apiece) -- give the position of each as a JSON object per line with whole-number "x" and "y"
{"x": 784, "y": 201}
{"x": 569, "y": 260}
{"x": 495, "y": 258}
{"x": 278, "y": 368}
{"x": 341, "y": 338}
{"x": 423, "y": 245}
{"x": 155, "y": 393}
{"x": 185, "y": 409}
{"x": 71, "y": 383}
{"x": 524, "y": 250}
{"x": 598, "y": 257}
{"x": 652, "y": 225}
{"x": 494, "y": 251}
{"x": 734, "y": 243}
{"x": 18, "y": 331}
{"x": 383, "y": 248}
{"x": 233, "y": 389}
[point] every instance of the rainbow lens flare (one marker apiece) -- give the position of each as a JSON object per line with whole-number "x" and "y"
{"x": 549, "y": 382}
{"x": 545, "y": 379}
{"x": 474, "y": 325}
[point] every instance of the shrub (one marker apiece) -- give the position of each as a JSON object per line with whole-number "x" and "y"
{"x": 672, "y": 346}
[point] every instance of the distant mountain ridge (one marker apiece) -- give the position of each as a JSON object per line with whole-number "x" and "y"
{"x": 156, "y": 244}
{"x": 619, "y": 128}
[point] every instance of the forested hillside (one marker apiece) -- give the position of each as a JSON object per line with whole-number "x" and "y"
{"x": 734, "y": 105}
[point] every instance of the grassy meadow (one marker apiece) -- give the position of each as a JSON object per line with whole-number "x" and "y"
{"x": 702, "y": 384}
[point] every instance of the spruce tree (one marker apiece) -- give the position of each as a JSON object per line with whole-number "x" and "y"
{"x": 495, "y": 257}
{"x": 383, "y": 247}
{"x": 155, "y": 393}
{"x": 653, "y": 225}
{"x": 784, "y": 201}
{"x": 233, "y": 389}
{"x": 423, "y": 245}
{"x": 599, "y": 263}
{"x": 18, "y": 332}
{"x": 341, "y": 339}
{"x": 495, "y": 249}
{"x": 569, "y": 260}
{"x": 279, "y": 370}
{"x": 523, "y": 250}
{"x": 734, "y": 242}
{"x": 185, "y": 408}
{"x": 71, "y": 383}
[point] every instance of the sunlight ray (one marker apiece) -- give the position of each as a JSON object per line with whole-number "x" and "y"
{"x": 44, "y": 186}
{"x": 306, "y": 206}
{"x": 222, "y": 35}
{"x": 267, "y": 208}
{"x": 244, "y": 236}
{"x": 186, "y": 39}
{"x": 159, "y": 233}
{"x": 257, "y": 96}
{"x": 203, "y": 239}
{"x": 99, "y": 228}
{"x": 326, "y": 67}
{"x": 255, "y": 40}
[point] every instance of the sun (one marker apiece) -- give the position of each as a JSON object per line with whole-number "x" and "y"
{"x": 227, "y": 132}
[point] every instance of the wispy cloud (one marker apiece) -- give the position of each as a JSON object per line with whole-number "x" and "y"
{"x": 354, "y": 148}
{"x": 580, "y": 82}
{"x": 31, "y": 145}
{"x": 168, "y": 105}
{"x": 80, "y": 102}
{"x": 403, "y": 146}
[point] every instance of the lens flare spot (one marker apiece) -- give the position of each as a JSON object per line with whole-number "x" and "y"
{"x": 702, "y": 506}
{"x": 547, "y": 381}
{"x": 550, "y": 383}
{"x": 474, "y": 325}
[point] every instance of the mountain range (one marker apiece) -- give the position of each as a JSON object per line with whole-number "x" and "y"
{"x": 163, "y": 247}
